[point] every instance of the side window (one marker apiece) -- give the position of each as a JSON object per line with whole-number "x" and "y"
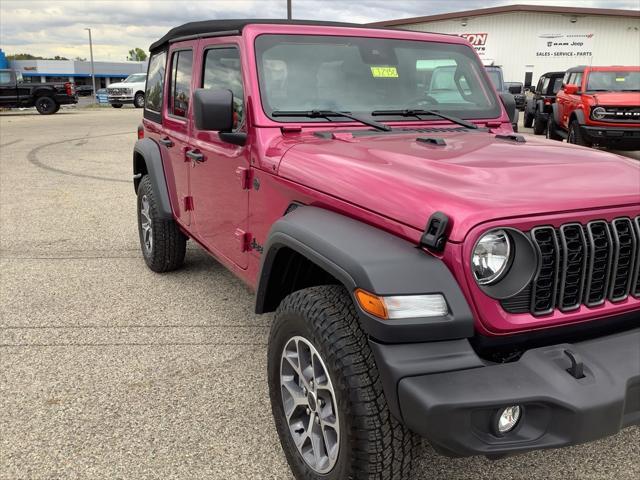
{"x": 181, "y": 82}
{"x": 543, "y": 90}
{"x": 577, "y": 79}
{"x": 540, "y": 88}
{"x": 5, "y": 78}
{"x": 155, "y": 82}
{"x": 222, "y": 71}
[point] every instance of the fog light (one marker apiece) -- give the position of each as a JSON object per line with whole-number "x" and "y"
{"x": 507, "y": 419}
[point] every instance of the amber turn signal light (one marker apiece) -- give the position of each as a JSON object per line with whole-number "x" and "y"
{"x": 371, "y": 303}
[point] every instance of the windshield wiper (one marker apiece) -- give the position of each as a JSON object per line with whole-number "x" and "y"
{"x": 419, "y": 113}
{"x": 328, "y": 114}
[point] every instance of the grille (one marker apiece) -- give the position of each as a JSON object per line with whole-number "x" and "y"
{"x": 582, "y": 265}
{"x": 118, "y": 91}
{"x": 621, "y": 114}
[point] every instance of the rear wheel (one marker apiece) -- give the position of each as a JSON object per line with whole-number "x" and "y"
{"x": 163, "y": 244}
{"x": 326, "y": 395}
{"x": 575, "y": 135}
{"x": 138, "y": 100}
{"x": 539, "y": 124}
{"x": 528, "y": 119}
{"x": 551, "y": 129}
{"x": 46, "y": 105}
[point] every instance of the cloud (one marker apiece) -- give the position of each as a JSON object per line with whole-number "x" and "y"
{"x": 56, "y": 27}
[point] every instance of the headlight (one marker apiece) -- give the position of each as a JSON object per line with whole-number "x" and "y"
{"x": 598, "y": 113}
{"x": 491, "y": 257}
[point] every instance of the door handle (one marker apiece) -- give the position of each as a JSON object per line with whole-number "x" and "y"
{"x": 195, "y": 156}
{"x": 166, "y": 141}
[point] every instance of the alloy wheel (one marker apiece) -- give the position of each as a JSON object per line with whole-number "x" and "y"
{"x": 145, "y": 224}
{"x": 309, "y": 403}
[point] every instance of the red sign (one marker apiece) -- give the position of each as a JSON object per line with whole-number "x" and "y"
{"x": 475, "y": 39}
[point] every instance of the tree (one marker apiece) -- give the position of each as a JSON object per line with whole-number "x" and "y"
{"x": 80, "y": 59}
{"x": 137, "y": 55}
{"x": 28, "y": 56}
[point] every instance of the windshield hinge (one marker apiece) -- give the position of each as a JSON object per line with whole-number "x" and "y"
{"x": 244, "y": 174}
{"x": 434, "y": 236}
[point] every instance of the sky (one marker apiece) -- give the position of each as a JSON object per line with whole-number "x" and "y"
{"x": 57, "y": 27}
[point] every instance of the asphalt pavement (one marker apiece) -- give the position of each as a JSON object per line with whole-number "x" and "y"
{"x": 109, "y": 371}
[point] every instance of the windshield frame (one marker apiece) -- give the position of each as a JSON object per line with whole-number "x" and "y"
{"x": 494, "y": 110}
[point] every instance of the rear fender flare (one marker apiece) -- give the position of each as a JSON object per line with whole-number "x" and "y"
{"x": 148, "y": 160}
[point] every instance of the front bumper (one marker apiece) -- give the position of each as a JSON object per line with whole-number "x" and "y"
{"x": 120, "y": 99}
{"x": 455, "y": 408}
{"x": 621, "y": 138}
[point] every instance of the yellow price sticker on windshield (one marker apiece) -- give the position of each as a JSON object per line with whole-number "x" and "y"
{"x": 384, "y": 72}
{"x": 620, "y": 79}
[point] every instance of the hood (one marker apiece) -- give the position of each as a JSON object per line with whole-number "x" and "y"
{"x": 622, "y": 99}
{"x": 119, "y": 85}
{"x": 474, "y": 178}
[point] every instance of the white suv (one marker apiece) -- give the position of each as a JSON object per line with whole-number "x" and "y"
{"x": 131, "y": 90}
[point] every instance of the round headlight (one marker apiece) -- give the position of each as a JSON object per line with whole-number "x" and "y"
{"x": 491, "y": 257}
{"x": 598, "y": 113}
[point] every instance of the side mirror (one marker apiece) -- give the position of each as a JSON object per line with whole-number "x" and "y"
{"x": 510, "y": 106}
{"x": 515, "y": 89}
{"x": 571, "y": 89}
{"x": 213, "y": 111}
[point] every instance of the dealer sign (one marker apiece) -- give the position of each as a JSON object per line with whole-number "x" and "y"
{"x": 559, "y": 45}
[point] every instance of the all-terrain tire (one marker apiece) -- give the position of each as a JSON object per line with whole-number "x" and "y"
{"x": 167, "y": 248}
{"x": 551, "y": 129}
{"x": 539, "y": 124}
{"x": 372, "y": 443}
{"x": 138, "y": 100}
{"x": 528, "y": 119}
{"x": 46, "y": 105}
{"x": 575, "y": 135}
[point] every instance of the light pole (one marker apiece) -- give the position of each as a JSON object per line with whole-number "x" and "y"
{"x": 288, "y": 9}
{"x": 93, "y": 73}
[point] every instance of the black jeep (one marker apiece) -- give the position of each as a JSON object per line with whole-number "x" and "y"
{"x": 539, "y": 106}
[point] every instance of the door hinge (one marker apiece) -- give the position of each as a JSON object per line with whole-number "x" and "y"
{"x": 244, "y": 174}
{"x": 244, "y": 239}
{"x": 188, "y": 203}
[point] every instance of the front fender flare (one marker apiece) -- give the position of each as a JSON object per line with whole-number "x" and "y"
{"x": 361, "y": 256}
{"x": 149, "y": 151}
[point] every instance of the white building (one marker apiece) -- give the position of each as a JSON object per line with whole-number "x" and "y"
{"x": 528, "y": 40}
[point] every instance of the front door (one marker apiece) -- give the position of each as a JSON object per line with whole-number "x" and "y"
{"x": 176, "y": 128}
{"x": 219, "y": 183}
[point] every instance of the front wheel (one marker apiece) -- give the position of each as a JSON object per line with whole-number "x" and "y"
{"x": 138, "y": 100}
{"x": 46, "y": 105}
{"x": 163, "y": 244}
{"x": 326, "y": 395}
{"x": 575, "y": 135}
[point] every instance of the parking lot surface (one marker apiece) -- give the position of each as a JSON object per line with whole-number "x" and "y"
{"x": 108, "y": 370}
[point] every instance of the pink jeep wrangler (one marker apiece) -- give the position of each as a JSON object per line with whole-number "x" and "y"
{"x": 432, "y": 273}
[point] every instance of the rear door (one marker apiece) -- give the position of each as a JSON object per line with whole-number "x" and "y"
{"x": 174, "y": 137}
{"x": 220, "y": 182}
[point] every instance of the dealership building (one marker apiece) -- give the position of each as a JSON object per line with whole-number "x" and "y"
{"x": 527, "y": 41}
{"x": 78, "y": 72}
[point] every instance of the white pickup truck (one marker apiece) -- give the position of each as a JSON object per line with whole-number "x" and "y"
{"x": 130, "y": 90}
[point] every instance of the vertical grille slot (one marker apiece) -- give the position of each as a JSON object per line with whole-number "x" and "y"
{"x": 625, "y": 249}
{"x": 635, "y": 288}
{"x": 573, "y": 266}
{"x": 543, "y": 297}
{"x": 600, "y": 247}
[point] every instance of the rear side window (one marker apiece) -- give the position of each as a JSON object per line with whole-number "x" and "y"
{"x": 181, "y": 82}
{"x": 155, "y": 82}
{"x": 222, "y": 70}
{"x": 5, "y": 78}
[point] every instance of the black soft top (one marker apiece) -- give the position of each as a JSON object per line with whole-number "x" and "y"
{"x": 232, "y": 27}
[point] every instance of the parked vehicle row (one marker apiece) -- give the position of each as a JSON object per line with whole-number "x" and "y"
{"x": 432, "y": 273}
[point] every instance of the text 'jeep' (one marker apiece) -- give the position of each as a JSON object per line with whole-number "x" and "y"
{"x": 432, "y": 273}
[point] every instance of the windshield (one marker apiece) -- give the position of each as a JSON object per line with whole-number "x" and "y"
{"x": 135, "y": 78}
{"x": 361, "y": 75}
{"x": 496, "y": 78}
{"x": 614, "y": 81}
